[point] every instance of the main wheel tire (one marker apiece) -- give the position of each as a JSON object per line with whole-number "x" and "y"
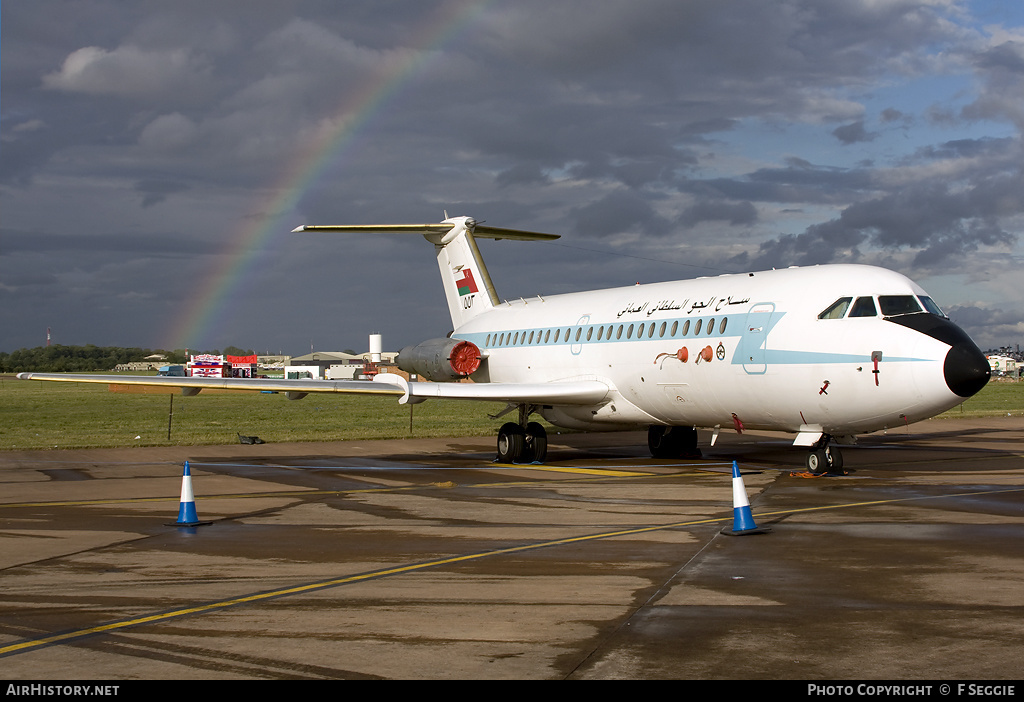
{"x": 536, "y": 442}
{"x": 511, "y": 442}
{"x": 688, "y": 443}
{"x": 660, "y": 441}
{"x": 672, "y": 442}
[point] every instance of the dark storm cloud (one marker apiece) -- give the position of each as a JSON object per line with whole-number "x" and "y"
{"x": 797, "y": 182}
{"x": 1008, "y": 56}
{"x": 156, "y": 191}
{"x": 853, "y": 133}
{"x": 990, "y": 327}
{"x": 141, "y": 140}
{"x": 940, "y": 223}
{"x": 735, "y": 213}
{"x": 77, "y": 246}
{"x": 617, "y": 213}
{"x": 967, "y": 148}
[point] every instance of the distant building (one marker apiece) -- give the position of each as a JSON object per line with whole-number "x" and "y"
{"x": 149, "y": 363}
{"x": 206, "y": 365}
{"x": 1003, "y": 365}
{"x": 274, "y": 363}
{"x": 338, "y": 365}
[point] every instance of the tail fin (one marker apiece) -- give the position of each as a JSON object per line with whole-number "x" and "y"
{"x": 467, "y": 284}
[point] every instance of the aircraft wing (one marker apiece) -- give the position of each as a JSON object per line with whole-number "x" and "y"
{"x": 571, "y": 392}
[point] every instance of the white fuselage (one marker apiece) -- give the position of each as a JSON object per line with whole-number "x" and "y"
{"x": 756, "y": 353}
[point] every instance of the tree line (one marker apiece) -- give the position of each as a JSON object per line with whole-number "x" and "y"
{"x": 74, "y": 359}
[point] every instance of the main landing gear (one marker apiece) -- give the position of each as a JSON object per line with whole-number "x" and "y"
{"x": 672, "y": 442}
{"x": 823, "y": 458}
{"x": 522, "y": 442}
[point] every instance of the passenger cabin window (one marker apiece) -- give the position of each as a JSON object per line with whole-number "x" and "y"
{"x": 837, "y": 310}
{"x": 864, "y": 307}
{"x": 893, "y": 305}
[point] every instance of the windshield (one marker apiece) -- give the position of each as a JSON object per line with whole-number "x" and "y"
{"x": 837, "y": 309}
{"x": 893, "y": 305}
{"x": 929, "y": 304}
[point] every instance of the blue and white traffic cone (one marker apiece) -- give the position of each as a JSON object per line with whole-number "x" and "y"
{"x": 742, "y": 519}
{"x": 187, "y": 516}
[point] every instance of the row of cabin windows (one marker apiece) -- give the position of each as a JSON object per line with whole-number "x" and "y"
{"x": 890, "y": 305}
{"x": 604, "y": 332}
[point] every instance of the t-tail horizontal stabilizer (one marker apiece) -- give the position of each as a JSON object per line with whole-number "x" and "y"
{"x": 467, "y": 284}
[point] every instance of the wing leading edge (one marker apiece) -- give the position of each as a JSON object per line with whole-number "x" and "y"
{"x": 571, "y": 392}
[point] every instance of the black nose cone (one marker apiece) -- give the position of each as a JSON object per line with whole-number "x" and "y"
{"x": 966, "y": 368}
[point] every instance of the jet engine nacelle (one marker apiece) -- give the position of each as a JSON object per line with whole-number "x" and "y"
{"x": 440, "y": 359}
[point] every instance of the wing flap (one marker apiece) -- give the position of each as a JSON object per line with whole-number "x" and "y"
{"x": 361, "y": 387}
{"x": 580, "y": 392}
{"x": 572, "y": 392}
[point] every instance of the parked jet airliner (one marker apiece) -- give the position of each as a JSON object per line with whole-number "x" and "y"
{"x": 823, "y": 352}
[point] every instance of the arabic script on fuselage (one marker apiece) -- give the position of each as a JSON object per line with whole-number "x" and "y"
{"x": 649, "y": 307}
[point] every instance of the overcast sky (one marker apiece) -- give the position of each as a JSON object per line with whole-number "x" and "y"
{"x": 154, "y": 156}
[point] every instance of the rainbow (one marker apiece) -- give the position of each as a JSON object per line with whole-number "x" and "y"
{"x": 211, "y": 299}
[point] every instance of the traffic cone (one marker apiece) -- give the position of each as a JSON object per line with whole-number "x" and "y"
{"x": 742, "y": 519}
{"x": 187, "y": 516}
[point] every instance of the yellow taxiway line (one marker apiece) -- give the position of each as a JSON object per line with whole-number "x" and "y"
{"x": 28, "y": 645}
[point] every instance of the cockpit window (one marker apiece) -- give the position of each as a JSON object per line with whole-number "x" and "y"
{"x": 837, "y": 309}
{"x": 929, "y": 304}
{"x": 893, "y": 305}
{"x": 863, "y": 307}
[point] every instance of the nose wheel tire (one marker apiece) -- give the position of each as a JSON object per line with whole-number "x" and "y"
{"x": 824, "y": 460}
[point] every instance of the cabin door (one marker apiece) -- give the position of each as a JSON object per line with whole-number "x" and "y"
{"x": 755, "y": 337}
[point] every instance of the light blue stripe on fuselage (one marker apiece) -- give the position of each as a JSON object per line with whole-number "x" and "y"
{"x": 545, "y": 337}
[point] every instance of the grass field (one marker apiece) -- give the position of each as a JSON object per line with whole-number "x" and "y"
{"x": 40, "y": 415}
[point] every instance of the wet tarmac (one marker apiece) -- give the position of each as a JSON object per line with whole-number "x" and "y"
{"x": 424, "y": 559}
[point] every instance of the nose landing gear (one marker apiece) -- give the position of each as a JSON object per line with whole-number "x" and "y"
{"x": 823, "y": 458}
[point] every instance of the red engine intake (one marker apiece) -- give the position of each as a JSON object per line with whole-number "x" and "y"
{"x": 440, "y": 359}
